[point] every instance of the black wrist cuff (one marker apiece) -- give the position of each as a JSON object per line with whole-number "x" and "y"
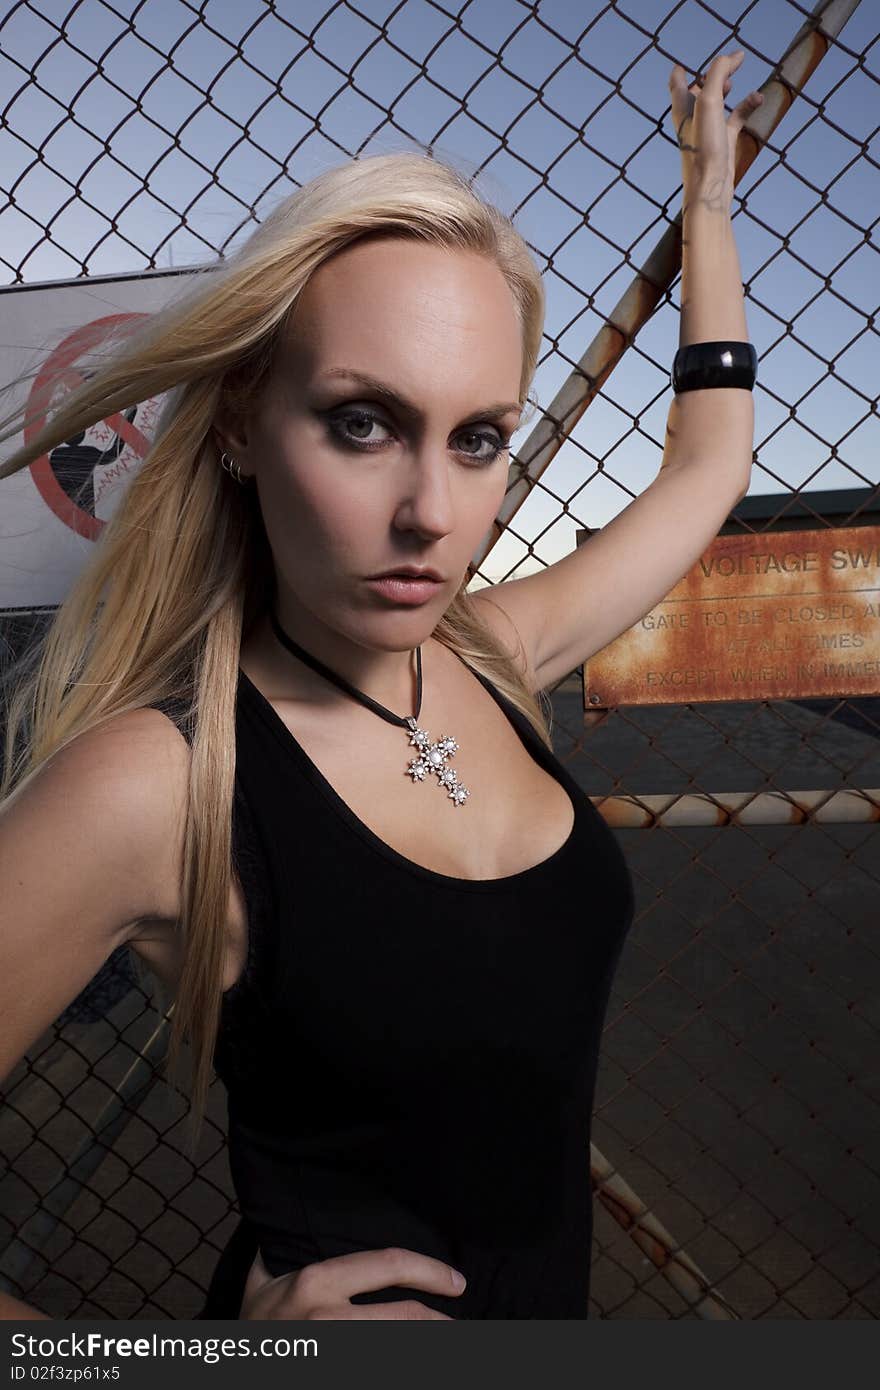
{"x": 701, "y": 365}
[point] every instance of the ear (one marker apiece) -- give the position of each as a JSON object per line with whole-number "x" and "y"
{"x": 230, "y": 433}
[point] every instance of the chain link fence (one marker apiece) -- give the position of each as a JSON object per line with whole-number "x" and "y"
{"x": 736, "y": 1143}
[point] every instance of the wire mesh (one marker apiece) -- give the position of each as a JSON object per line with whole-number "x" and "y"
{"x": 736, "y": 1155}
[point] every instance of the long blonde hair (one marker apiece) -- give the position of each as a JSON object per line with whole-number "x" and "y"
{"x": 183, "y": 569}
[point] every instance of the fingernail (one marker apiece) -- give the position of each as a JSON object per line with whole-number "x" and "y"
{"x": 458, "y": 1280}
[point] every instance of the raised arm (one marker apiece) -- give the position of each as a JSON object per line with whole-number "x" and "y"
{"x": 579, "y": 604}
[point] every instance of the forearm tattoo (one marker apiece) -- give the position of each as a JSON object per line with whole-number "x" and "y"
{"x": 714, "y": 196}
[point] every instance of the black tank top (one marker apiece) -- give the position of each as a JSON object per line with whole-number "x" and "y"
{"x": 410, "y": 1058}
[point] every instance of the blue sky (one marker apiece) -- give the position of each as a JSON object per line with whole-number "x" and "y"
{"x": 577, "y": 90}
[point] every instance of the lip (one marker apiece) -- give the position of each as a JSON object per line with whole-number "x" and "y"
{"x": 410, "y": 572}
{"x": 407, "y": 590}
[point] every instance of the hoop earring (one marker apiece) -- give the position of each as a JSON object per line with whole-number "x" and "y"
{"x": 232, "y": 468}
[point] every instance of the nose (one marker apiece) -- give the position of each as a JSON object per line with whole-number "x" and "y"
{"x": 425, "y": 502}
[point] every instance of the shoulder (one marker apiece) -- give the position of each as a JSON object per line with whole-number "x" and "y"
{"x": 90, "y": 846}
{"x": 118, "y": 794}
{"x": 138, "y": 752}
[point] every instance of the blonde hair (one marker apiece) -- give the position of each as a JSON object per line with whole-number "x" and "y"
{"x": 183, "y": 569}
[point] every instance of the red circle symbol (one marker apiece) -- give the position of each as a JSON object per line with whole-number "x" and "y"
{"x": 59, "y": 370}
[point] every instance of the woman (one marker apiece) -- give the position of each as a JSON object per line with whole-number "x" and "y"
{"x": 409, "y": 995}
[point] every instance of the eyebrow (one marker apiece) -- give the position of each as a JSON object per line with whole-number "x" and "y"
{"x": 408, "y": 407}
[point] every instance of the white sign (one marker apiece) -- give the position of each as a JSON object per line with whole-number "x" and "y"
{"x": 52, "y": 512}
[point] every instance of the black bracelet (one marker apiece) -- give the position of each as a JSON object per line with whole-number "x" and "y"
{"x": 701, "y": 365}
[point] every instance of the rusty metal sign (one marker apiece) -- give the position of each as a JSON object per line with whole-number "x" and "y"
{"x": 774, "y": 615}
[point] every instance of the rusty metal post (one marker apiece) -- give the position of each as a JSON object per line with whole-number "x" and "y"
{"x": 23, "y": 1250}
{"x": 651, "y": 1235}
{"x": 848, "y": 807}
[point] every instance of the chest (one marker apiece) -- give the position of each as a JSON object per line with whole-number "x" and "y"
{"x": 516, "y": 813}
{"x": 385, "y": 981}
{"x": 516, "y": 816}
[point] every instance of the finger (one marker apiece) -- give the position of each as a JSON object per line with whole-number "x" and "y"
{"x": 367, "y": 1270}
{"x": 680, "y": 111}
{"x": 740, "y": 113}
{"x": 721, "y": 69}
{"x": 258, "y": 1277}
{"x": 677, "y": 78}
{"x": 724, "y": 65}
{"x": 408, "y": 1310}
{"x": 680, "y": 99}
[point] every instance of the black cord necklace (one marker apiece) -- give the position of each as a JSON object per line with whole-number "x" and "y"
{"x": 432, "y": 756}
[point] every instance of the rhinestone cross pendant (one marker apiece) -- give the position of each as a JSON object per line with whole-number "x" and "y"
{"x": 433, "y": 757}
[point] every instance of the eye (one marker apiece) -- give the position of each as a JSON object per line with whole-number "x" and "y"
{"x": 482, "y": 444}
{"x": 356, "y": 428}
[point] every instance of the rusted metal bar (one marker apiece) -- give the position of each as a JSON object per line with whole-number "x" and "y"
{"x": 651, "y": 282}
{"x": 24, "y": 1250}
{"x": 651, "y": 1235}
{"x": 847, "y": 807}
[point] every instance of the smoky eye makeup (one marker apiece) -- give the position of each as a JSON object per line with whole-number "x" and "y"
{"x": 362, "y": 428}
{"x": 354, "y": 426}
